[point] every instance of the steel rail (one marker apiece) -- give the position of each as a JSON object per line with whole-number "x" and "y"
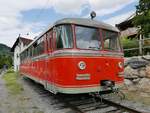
{"x": 71, "y": 106}
{"x": 115, "y": 104}
{"x": 75, "y": 107}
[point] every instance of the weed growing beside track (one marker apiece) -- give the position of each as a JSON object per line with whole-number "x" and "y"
{"x": 14, "y": 87}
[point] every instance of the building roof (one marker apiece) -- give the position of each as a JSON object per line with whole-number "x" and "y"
{"x": 25, "y": 41}
{"x": 127, "y": 27}
{"x": 129, "y": 32}
{"x": 126, "y": 23}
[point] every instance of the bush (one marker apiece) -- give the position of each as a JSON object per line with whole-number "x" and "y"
{"x": 131, "y": 53}
{"x": 5, "y": 60}
{"x": 129, "y": 43}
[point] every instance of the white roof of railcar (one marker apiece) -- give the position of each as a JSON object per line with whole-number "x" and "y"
{"x": 87, "y": 22}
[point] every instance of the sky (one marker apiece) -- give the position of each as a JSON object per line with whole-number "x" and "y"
{"x": 33, "y": 16}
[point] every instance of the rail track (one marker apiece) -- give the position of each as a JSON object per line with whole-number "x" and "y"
{"x": 82, "y": 103}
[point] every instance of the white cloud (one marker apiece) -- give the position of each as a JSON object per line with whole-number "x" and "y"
{"x": 119, "y": 18}
{"x": 11, "y": 24}
{"x": 11, "y": 17}
{"x": 103, "y": 7}
{"x": 9, "y": 34}
{"x": 69, "y": 6}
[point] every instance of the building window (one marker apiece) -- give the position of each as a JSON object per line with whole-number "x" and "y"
{"x": 17, "y": 55}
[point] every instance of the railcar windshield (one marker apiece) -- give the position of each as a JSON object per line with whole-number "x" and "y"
{"x": 87, "y": 38}
{"x": 90, "y": 38}
{"x": 111, "y": 40}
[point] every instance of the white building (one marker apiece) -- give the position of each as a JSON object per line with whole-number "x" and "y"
{"x": 18, "y": 46}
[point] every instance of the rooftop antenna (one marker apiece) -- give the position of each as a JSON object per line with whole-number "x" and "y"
{"x": 93, "y": 15}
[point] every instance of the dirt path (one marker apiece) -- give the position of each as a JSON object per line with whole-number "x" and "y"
{"x": 28, "y": 101}
{"x": 4, "y": 105}
{"x": 15, "y": 103}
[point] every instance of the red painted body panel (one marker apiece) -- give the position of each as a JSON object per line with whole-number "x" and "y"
{"x": 66, "y": 70}
{"x": 63, "y": 70}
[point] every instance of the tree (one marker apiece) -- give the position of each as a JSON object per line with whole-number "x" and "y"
{"x": 5, "y": 60}
{"x": 142, "y": 18}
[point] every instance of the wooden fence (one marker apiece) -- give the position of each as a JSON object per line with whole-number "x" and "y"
{"x": 142, "y": 49}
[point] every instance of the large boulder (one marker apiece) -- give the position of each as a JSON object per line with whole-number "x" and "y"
{"x": 136, "y": 63}
{"x": 128, "y": 85}
{"x": 133, "y": 88}
{"x": 126, "y": 62}
{"x": 128, "y": 82}
{"x": 136, "y": 81}
{"x": 130, "y": 73}
{"x": 146, "y": 57}
{"x": 142, "y": 72}
{"x": 148, "y": 71}
{"x": 144, "y": 85}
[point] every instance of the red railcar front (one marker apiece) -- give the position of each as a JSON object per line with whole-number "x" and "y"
{"x": 80, "y": 56}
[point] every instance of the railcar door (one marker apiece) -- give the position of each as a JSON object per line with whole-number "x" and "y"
{"x": 46, "y": 60}
{"x": 49, "y": 63}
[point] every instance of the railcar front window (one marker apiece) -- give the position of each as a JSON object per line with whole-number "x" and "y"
{"x": 64, "y": 37}
{"x": 111, "y": 41}
{"x": 87, "y": 38}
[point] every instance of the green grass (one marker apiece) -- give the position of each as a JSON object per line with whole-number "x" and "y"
{"x": 11, "y": 80}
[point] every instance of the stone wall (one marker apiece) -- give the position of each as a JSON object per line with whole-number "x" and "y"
{"x": 137, "y": 73}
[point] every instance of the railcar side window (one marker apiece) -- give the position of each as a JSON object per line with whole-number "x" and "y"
{"x": 38, "y": 47}
{"x": 64, "y": 37}
{"x": 111, "y": 40}
{"x": 35, "y": 49}
{"x": 30, "y": 51}
{"x": 88, "y": 38}
{"x": 48, "y": 40}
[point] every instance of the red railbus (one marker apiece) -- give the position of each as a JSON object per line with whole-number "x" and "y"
{"x": 75, "y": 56}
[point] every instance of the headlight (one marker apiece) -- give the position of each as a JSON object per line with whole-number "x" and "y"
{"x": 82, "y": 65}
{"x": 120, "y": 65}
{"x": 120, "y": 74}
